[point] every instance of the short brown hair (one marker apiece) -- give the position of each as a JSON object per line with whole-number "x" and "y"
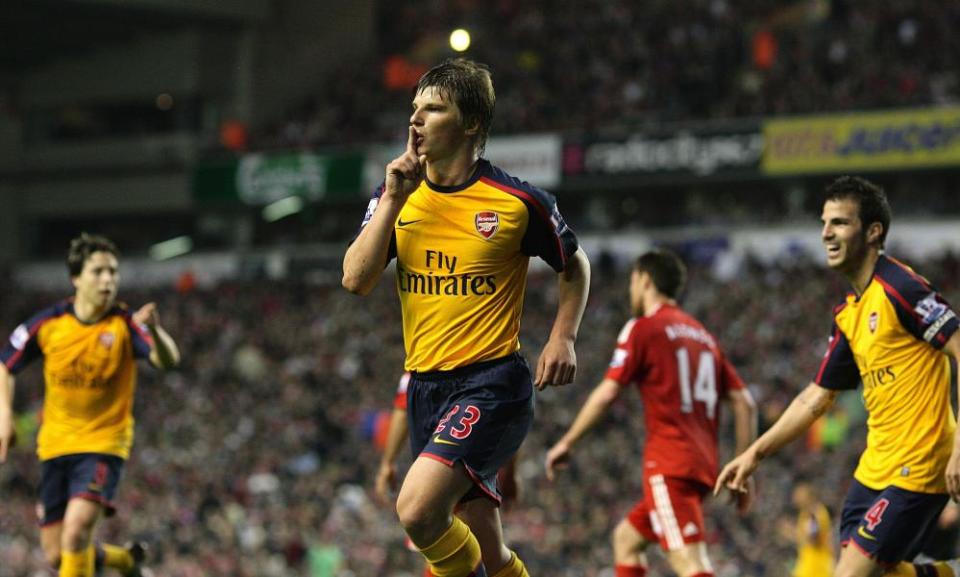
{"x": 469, "y": 85}
{"x": 83, "y": 246}
{"x": 665, "y": 268}
{"x": 872, "y": 204}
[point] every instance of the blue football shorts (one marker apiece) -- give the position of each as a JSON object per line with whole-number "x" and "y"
{"x": 477, "y": 415}
{"x": 891, "y": 525}
{"x": 90, "y": 476}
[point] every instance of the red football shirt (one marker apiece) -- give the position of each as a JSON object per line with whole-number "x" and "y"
{"x": 400, "y": 399}
{"x": 682, "y": 375}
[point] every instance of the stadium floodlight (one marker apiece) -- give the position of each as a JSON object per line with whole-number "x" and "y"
{"x": 460, "y": 40}
{"x": 282, "y": 208}
{"x": 164, "y": 101}
{"x": 174, "y": 247}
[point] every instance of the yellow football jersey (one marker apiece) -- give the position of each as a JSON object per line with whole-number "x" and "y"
{"x": 90, "y": 376}
{"x": 814, "y": 545}
{"x": 462, "y": 254}
{"x": 890, "y": 339}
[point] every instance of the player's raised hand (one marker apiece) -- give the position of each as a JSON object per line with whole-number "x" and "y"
{"x": 405, "y": 173}
{"x": 147, "y": 315}
{"x": 735, "y": 474}
{"x": 558, "y": 457}
{"x": 557, "y": 365}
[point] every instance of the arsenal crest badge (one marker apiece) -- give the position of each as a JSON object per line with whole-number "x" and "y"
{"x": 488, "y": 223}
{"x": 872, "y": 323}
{"x": 106, "y": 340}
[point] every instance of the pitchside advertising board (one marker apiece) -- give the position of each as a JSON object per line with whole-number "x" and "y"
{"x": 863, "y": 141}
{"x": 688, "y": 151}
{"x": 775, "y": 147}
{"x": 261, "y": 178}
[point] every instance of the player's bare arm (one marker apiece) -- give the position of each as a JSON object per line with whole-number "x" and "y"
{"x": 953, "y": 465}
{"x": 386, "y": 481}
{"x": 744, "y": 410}
{"x": 806, "y": 408}
{"x": 557, "y": 364}
{"x": 744, "y": 418}
{"x": 164, "y": 354}
{"x": 509, "y": 483}
{"x": 8, "y": 435}
{"x": 366, "y": 257}
{"x": 593, "y": 410}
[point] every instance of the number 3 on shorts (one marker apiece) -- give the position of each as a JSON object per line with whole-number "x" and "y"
{"x": 470, "y": 416}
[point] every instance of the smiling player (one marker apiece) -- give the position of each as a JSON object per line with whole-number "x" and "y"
{"x": 889, "y": 333}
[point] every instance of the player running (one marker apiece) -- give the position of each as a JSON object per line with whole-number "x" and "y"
{"x": 89, "y": 345}
{"x": 462, "y": 232}
{"x": 889, "y": 334}
{"x": 682, "y": 376}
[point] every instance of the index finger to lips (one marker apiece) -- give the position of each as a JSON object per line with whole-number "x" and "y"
{"x": 411, "y": 140}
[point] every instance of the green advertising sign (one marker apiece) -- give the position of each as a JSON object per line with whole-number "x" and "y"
{"x": 262, "y": 178}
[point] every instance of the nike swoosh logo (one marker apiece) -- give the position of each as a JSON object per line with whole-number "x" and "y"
{"x": 401, "y": 223}
{"x": 864, "y": 534}
{"x": 439, "y": 441}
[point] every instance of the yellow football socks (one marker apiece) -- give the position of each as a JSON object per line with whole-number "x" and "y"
{"x": 77, "y": 563}
{"x": 455, "y": 554}
{"x": 936, "y": 569}
{"x": 513, "y": 568}
{"x": 117, "y": 557}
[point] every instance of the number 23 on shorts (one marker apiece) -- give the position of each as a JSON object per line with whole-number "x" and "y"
{"x": 464, "y": 426}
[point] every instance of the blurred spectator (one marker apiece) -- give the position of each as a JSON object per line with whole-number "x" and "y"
{"x": 612, "y": 64}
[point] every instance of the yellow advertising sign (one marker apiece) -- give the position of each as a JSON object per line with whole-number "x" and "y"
{"x": 884, "y": 140}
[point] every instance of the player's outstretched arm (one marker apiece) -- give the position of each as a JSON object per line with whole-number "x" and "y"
{"x": 806, "y": 408}
{"x": 953, "y": 466}
{"x": 8, "y": 434}
{"x": 366, "y": 256}
{"x": 386, "y": 481}
{"x": 557, "y": 364}
{"x": 164, "y": 354}
{"x": 590, "y": 414}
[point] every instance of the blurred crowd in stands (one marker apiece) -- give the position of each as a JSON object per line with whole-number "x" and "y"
{"x": 257, "y": 458}
{"x": 595, "y": 65}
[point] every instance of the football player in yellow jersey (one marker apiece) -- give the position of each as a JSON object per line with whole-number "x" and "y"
{"x": 890, "y": 333}
{"x": 488, "y": 537}
{"x": 814, "y": 542}
{"x": 462, "y": 232}
{"x": 89, "y": 345}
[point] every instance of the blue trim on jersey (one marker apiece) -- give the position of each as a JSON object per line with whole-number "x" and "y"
{"x": 139, "y": 336}
{"x": 498, "y": 175}
{"x": 16, "y": 359}
{"x": 483, "y": 166}
{"x": 392, "y": 249}
{"x": 547, "y": 235}
{"x": 921, "y": 309}
{"x": 839, "y": 370}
